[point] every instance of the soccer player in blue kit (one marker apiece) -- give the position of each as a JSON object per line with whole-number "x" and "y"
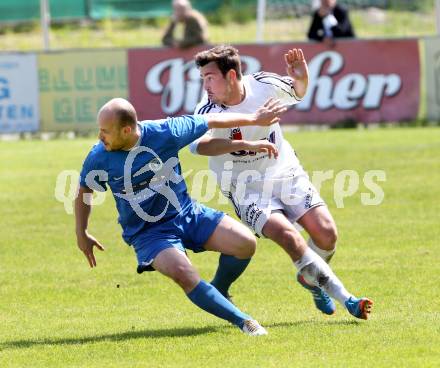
{"x": 139, "y": 162}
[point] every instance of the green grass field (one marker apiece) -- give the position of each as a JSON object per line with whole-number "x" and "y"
{"x": 56, "y": 312}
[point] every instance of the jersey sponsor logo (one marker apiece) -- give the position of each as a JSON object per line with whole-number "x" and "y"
{"x": 237, "y": 135}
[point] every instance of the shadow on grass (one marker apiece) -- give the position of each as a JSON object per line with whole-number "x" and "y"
{"x": 315, "y": 322}
{"x": 159, "y": 333}
{"x": 128, "y": 335}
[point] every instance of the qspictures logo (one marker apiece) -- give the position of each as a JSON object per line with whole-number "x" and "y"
{"x": 161, "y": 176}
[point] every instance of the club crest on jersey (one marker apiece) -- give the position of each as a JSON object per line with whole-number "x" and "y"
{"x": 236, "y": 134}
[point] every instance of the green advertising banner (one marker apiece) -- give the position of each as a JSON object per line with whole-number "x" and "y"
{"x": 101, "y": 9}
{"x": 74, "y": 85}
{"x": 432, "y": 78}
{"x": 26, "y": 10}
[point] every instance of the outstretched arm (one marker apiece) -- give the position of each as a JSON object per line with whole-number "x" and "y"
{"x": 168, "y": 37}
{"x": 209, "y": 146}
{"x": 85, "y": 241}
{"x": 267, "y": 114}
{"x": 297, "y": 70}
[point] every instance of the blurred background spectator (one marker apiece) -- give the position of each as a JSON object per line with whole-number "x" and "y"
{"x": 195, "y": 26}
{"x": 330, "y": 21}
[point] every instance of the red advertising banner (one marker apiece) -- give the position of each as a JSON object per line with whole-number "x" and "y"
{"x": 357, "y": 80}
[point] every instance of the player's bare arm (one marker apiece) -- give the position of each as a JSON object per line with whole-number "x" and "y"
{"x": 262, "y": 146}
{"x": 267, "y": 114}
{"x": 85, "y": 241}
{"x": 209, "y": 146}
{"x": 296, "y": 67}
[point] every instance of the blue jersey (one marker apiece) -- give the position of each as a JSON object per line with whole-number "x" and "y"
{"x": 146, "y": 181}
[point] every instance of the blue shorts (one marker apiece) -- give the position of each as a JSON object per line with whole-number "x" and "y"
{"x": 189, "y": 230}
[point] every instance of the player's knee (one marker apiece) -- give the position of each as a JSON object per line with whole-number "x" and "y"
{"x": 333, "y": 236}
{"x": 330, "y": 236}
{"x": 248, "y": 246}
{"x": 287, "y": 237}
{"x": 185, "y": 275}
{"x": 290, "y": 240}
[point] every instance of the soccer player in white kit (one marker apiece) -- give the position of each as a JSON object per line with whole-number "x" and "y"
{"x": 269, "y": 194}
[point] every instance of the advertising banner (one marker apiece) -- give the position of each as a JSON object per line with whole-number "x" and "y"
{"x": 362, "y": 81}
{"x": 74, "y": 85}
{"x": 19, "y": 109}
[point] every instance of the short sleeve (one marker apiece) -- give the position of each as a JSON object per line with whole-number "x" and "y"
{"x": 186, "y": 129}
{"x": 203, "y": 107}
{"x": 282, "y": 86}
{"x": 91, "y": 176}
{"x": 193, "y": 145}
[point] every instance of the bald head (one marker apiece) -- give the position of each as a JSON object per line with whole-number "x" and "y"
{"x": 183, "y": 3}
{"x": 117, "y": 122}
{"x": 181, "y": 8}
{"x": 328, "y": 3}
{"x": 119, "y": 111}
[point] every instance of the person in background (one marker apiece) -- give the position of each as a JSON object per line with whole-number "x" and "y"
{"x": 330, "y": 21}
{"x": 195, "y": 26}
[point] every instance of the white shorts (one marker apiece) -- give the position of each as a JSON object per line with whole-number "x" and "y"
{"x": 255, "y": 201}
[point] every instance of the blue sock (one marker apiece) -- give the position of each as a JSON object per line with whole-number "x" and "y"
{"x": 208, "y": 298}
{"x": 229, "y": 269}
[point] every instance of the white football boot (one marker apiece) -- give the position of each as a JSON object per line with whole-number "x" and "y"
{"x": 252, "y": 328}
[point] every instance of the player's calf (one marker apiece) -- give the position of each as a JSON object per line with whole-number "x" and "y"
{"x": 282, "y": 232}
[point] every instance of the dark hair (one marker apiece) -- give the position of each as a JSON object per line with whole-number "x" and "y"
{"x": 226, "y": 58}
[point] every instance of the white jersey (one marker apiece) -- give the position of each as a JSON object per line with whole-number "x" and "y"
{"x": 259, "y": 87}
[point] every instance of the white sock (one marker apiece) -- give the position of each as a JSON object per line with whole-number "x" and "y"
{"x": 318, "y": 273}
{"x": 326, "y": 255}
